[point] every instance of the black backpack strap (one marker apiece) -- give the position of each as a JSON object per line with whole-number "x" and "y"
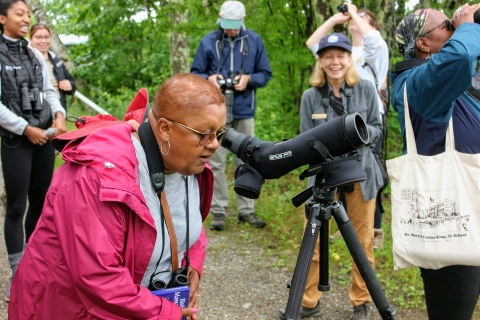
{"x": 474, "y": 93}
{"x": 154, "y": 158}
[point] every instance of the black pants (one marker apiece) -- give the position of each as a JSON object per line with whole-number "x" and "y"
{"x": 27, "y": 172}
{"x": 452, "y": 292}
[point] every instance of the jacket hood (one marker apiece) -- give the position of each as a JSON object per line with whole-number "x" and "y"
{"x": 110, "y": 152}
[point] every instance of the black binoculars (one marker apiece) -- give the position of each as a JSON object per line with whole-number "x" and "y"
{"x": 179, "y": 279}
{"x": 30, "y": 98}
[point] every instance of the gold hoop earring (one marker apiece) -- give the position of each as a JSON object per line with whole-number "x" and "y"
{"x": 161, "y": 148}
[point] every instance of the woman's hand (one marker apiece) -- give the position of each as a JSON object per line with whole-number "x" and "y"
{"x": 464, "y": 14}
{"x": 36, "y": 135}
{"x": 59, "y": 124}
{"x": 191, "y": 313}
{"x": 194, "y": 282}
{"x": 65, "y": 85}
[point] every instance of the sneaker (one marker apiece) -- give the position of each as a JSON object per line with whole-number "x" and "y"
{"x": 305, "y": 312}
{"x": 218, "y": 222}
{"x": 362, "y": 312}
{"x": 377, "y": 239}
{"x": 252, "y": 219}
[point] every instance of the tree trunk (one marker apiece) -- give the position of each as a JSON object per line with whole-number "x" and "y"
{"x": 56, "y": 46}
{"x": 178, "y": 41}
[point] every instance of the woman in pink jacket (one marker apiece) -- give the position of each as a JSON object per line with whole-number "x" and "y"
{"x": 101, "y": 240}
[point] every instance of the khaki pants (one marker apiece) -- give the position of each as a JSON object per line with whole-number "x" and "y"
{"x": 218, "y": 162}
{"x": 361, "y": 214}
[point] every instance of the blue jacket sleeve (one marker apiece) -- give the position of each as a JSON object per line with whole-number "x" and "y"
{"x": 201, "y": 62}
{"x": 433, "y": 87}
{"x": 262, "y": 73}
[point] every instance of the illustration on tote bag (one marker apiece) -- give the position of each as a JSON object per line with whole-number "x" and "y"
{"x": 435, "y": 213}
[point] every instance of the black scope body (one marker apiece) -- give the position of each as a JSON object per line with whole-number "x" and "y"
{"x": 272, "y": 160}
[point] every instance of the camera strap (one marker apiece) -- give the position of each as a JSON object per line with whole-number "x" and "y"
{"x": 221, "y": 45}
{"x": 157, "y": 178}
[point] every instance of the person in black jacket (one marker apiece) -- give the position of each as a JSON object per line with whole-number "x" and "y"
{"x": 62, "y": 80}
{"x": 30, "y": 114}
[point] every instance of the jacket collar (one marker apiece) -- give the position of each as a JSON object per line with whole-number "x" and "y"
{"x": 409, "y": 64}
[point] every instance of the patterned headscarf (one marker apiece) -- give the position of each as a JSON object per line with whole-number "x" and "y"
{"x": 408, "y": 31}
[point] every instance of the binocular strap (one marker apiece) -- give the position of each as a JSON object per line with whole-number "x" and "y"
{"x": 171, "y": 230}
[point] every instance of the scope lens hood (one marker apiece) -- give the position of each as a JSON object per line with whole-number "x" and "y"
{"x": 355, "y": 130}
{"x": 234, "y": 140}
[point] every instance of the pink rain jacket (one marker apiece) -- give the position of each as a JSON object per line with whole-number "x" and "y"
{"x": 95, "y": 237}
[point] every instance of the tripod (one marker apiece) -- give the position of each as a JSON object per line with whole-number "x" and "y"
{"x": 319, "y": 211}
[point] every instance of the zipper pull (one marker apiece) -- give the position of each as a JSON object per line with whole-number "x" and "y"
{"x": 314, "y": 225}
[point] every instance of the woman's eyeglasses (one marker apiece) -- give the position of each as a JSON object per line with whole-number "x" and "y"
{"x": 447, "y": 23}
{"x": 205, "y": 138}
{"x": 40, "y": 37}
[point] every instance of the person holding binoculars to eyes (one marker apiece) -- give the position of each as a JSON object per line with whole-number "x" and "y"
{"x": 30, "y": 114}
{"x": 441, "y": 55}
{"x": 234, "y": 59}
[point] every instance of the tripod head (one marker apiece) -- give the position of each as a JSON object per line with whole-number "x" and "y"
{"x": 330, "y": 174}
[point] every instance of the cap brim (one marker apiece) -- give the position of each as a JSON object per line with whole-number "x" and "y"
{"x": 230, "y": 24}
{"x": 349, "y": 49}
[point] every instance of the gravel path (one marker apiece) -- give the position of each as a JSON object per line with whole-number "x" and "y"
{"x": 239, "y": 282}
{"x": 240, "y": 279}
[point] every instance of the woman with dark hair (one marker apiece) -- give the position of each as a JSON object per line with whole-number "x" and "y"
{"x": 335, "y": 80}
{"x": 107, "y": 234}
{"x": 437, "y": 72}
{"x": 29, "y": 106}
{"x": 62, "y": 80}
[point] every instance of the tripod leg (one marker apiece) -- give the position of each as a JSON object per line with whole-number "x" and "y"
{"x": 361, "y": 260}
{"x": 304, "y": 260}
{"x": 324, "y": 284}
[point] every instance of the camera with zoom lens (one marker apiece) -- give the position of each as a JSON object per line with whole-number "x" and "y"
{"x": 30, "y": 98}
{"x": 227, "y": 86}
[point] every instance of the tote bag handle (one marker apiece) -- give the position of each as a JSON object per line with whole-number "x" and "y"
{"x": 410, "y": 137}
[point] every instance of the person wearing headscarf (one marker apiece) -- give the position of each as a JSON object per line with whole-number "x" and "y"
{"x": 440, "y": 60}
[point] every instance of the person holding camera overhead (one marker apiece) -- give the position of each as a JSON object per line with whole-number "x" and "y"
{"x": 441, "y": 56}
{"x": 62, "y": 80}
{"x": 371, "y": 59}
{"x": 114, "y": 226}
{"x": 234, "y": 59}
{"x": 336, "y": 90}
{"x": 30, "y": 114}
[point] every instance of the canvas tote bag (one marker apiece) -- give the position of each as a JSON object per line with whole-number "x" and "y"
{"x": 435, "y": 205}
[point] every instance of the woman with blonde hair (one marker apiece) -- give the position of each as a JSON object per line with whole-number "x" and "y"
{"x": 336, "y": 90}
